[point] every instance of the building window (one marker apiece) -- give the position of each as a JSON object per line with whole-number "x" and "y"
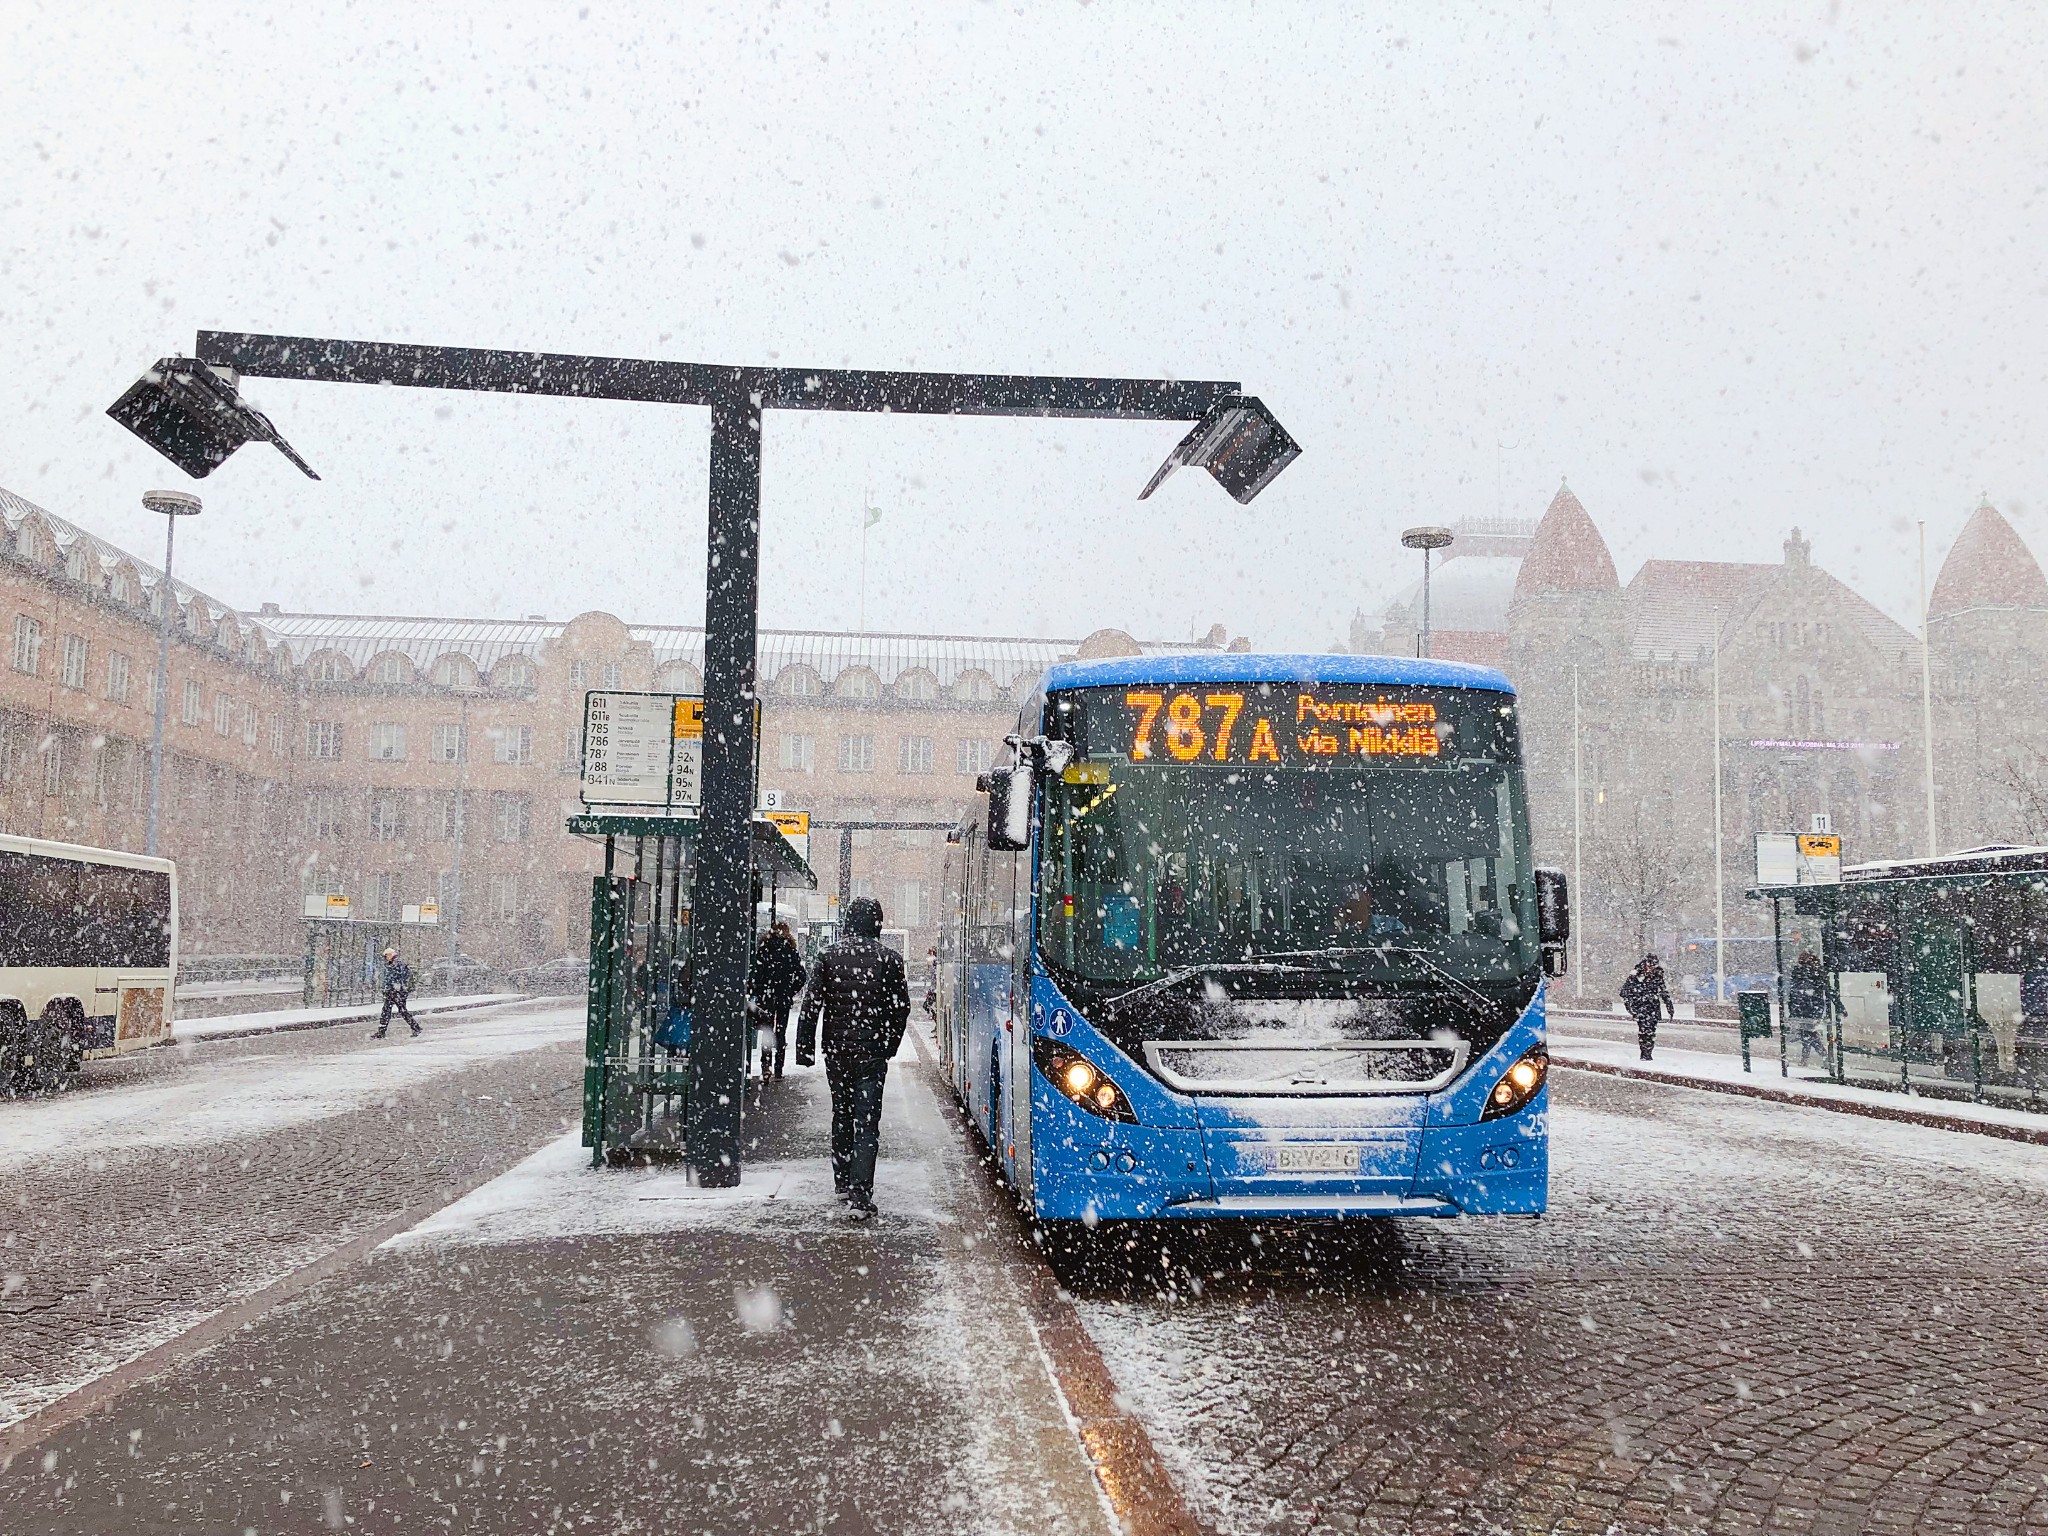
{"x": 863, "y": 885}
{"x": 53, "y": 764}
{"x": 504, "y": 897}
{"x": 74, "y": 661}
{"x": 614, "y": 676}
{"x": 799, "y": 753}
{"x": 189, "y": 710}
{"x": 913, "y": 754}
{"x": 511, "y": 813}
{"x": 856, "y": 754}
{"x": 449, "y": 746}
{"x": 512, "y": 744}
{"x": 390, "y": 671}
{"x": 277, "y": 735}
{"x": 323, "y": 816}
{"x": 455, "y": 672}
{"x": 917, "y": 686}
{"x": 323, "y": 738}
{"x": 117, "y": 677}
{"x": 387, "y": 742}
{"x": 975, "y": 688}
{"x": 384, "y": 896}
{"x": 28, "y": 645}
{"x": 249, "y": 725}
{"x": 328, "y": 667}
{"x": 516, "y": 674}
{"x": 451, "y": 817}
{"x": 798, "y": 682}
{"x": 387, "y": 816}
{"x": 859, "y": 683}
{"x": 579, "y": 674}
{"x": 909, "y": 911}
{"x": 973, "y": 756}
{"x": 223, "y": 715}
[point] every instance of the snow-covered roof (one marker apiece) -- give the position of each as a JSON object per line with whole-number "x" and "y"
{"x": 1466, "y": 592}
{"x": 1672, "y": 605}
{"x": 102, "y": 559}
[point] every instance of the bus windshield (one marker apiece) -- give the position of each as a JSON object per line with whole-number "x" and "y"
{"x": 1269, "y": 828}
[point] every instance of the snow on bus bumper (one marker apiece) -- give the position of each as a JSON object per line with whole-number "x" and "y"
{"x": 1087, "y": 1168}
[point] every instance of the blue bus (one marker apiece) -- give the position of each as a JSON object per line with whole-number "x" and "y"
{"x": 1242, "y": 935}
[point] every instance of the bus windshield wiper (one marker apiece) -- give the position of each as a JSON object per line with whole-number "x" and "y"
{"x": 1183, "y": 973}
{"x": 1382, "y": 950}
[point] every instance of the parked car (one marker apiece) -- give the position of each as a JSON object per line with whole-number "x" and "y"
{"x": 454, "y": 977}
{"x": 565, "y": 975}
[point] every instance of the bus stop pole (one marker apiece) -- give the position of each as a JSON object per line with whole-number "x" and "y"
{"x": 725, "y": 830}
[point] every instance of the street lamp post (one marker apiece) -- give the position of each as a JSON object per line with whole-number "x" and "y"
{"x": 191, "y": 410}
{"x": 173, "y": 505}
{"x": 1426, "y": 539}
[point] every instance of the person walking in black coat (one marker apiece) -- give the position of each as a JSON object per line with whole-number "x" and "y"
{"x": 858, "y": 989}
{"x": 778, "y": 978}
{"x": 397, "y": 989}
{"x": 1642, "y": 994}
{"x": 1807, "y": 1005}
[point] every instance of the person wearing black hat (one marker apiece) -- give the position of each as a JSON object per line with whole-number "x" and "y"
{"x": 858, "y": 988}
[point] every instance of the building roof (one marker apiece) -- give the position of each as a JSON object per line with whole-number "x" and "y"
{"x": 486, "y": 642}
{"x": 101, "y": 559}
{"x": 1567, "y": 553}
{"x": 1988, "y": 566}
{"x": 1672, "y": 606}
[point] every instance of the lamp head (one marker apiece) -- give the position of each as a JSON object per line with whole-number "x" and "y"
{"x": 1239, "y": 442}
{"x": 1426, "y": 538}
{"x": 193, "y": 414}
{"x": 171, "y": 503}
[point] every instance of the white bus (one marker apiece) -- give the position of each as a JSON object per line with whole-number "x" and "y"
{"x": 88, "y": 957}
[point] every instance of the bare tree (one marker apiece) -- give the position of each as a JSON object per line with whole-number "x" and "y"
{"x": 1641, "y": 872}
{"x": 2023, "y": 780}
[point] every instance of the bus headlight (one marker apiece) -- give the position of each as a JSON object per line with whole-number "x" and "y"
{"x": 1519, "y": 1084}
{"x": 1081, "y": 1081}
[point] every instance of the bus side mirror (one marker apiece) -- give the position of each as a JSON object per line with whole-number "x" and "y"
{"x": 1009, "y": 808}
{"x": 1553, "y": 918}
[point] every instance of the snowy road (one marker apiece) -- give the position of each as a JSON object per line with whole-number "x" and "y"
{"x": 1736, "y": 1316}
{"x": 169, "y": 1186}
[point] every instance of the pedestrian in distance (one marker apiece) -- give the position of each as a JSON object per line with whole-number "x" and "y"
{"x": 778, "y": 979}
{"x": 2030, "y": 1045}
{"x": 1643, "y": 994}
{"x": 1807, "y": 1005}
{"x": 859, "y": 992}
{"x": 397, "y": 989}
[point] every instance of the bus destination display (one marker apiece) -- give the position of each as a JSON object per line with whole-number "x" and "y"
{"x": 1289, "y": 724}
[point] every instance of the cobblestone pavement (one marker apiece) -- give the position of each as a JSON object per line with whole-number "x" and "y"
{"x": 161, "y": 1190}
{"x": 1737, "y": 1317}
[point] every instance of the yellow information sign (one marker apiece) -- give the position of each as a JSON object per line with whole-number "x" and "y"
{"x": 689, "y": 720}
{"x": 1820, "y": 846}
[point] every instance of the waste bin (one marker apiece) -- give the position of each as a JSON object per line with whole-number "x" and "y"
{"x": 1753, "y": 1018}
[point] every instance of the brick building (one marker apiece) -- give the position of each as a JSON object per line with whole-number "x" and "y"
{"x": 407, "y": 759}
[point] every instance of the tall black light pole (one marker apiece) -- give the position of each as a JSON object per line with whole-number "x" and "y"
{"x": 1425, "y": 539}
{"x": 191, "y": 410}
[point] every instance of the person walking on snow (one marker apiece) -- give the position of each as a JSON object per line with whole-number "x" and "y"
{"x": 1642, "y": 994}
{"x": 1807, "y": 1002}
{"x": 859, "y": 990}
{"x": 397, "y": 988}
{"x": 778, "y": 978}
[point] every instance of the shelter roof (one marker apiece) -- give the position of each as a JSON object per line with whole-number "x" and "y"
{"x": 1988, "y": 566}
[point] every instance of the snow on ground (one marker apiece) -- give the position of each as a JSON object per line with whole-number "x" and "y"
{"x": 556, "y": 1193}
{"x": 200, "y": 1098}
{"x": 277, "y": 1019}
{"x": 1714, "y": 1066}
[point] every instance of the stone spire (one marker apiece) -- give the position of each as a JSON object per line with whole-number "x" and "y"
{"x": 1988, "y": 566}
{"x": 1567, "y": 553}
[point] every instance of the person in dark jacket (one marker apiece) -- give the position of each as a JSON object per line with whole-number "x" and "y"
{"x": 859, "y": 991}
{"x": 1807, "y": 1004}
{"x": 778, "y": 978}
{"x": 1642, "y": 994}
{"x": 397, "y": 989}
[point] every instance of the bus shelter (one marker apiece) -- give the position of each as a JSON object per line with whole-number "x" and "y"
{"x": 1936, "y": 972}
{"x": 636, "y": 1075}
{"x": 345, "y": 959}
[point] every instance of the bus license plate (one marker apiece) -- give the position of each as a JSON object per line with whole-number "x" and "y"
{"x": 1316, "y": 1159}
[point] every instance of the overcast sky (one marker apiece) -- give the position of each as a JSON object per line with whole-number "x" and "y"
{"x": 1726, "y": 270}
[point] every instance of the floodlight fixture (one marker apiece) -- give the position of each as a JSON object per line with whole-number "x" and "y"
{"x": 172, "y": 503}
{"x": 1427, "y": 538}
{"x": 1239, "y": 442}
{"x": 193, "y": 414}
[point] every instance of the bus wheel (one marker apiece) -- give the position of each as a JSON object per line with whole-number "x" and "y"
{"x": 53, "y": 1050}
{"x": 1069, "y": 1249}
{"x": 14, "y": 1050}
